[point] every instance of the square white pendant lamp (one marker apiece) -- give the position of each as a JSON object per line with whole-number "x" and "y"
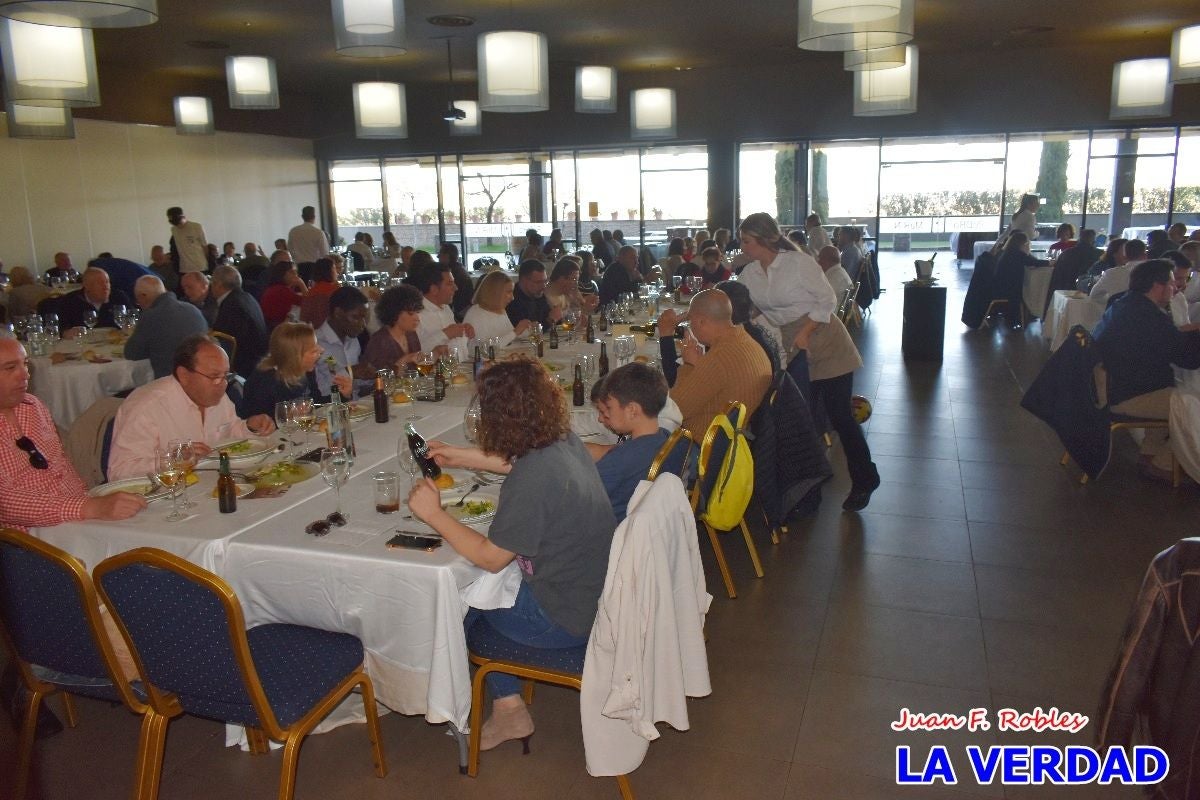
{"x": 369, "y": 28}
{"x": 887, "y": 92}
{"x": 514, "y": 75}
{"x": 193, "y": 116}
{"x": 595, "y": 90}
{"x": 380, "y": 110}
{"x": 652, "y": 113}
{"x": 252, "y": 82}
{"x": 39, "y": 122}
{"x": 1141, "y": 87}
{"x": 47, "y": 65}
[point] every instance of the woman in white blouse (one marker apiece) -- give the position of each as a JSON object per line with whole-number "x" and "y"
{"x": 791, "y": 291}
{"x": 487, "y": 314}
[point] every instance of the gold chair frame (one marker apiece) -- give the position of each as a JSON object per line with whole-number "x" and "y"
{"x": 530, "y": 673}
{"x": 668, "y": 447}
{"x": 1131, "y": 424}
{"x": 221, "y": 336}
{"x": 702, "y": 469}
{"x": 38, "y": 688}
{"x": 164, "y": 706}
{"x": 994, "y": 305}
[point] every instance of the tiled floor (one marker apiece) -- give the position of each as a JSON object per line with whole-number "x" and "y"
{"x": 982, "y": 574}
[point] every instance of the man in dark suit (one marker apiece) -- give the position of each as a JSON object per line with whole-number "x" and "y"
{"x": 239, "y": 315}
{"x": 96, "y": 295}
{"x": 1073, "y": 263}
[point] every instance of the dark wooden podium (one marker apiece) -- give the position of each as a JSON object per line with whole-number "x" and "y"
{"x": 924, "y": 322}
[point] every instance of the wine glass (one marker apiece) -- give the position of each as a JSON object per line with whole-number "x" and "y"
{"x": 52, "y": 327}
{"x": 335, "y": 469}
{"x": 471, "y": 420}
{"x": 624, "y": 347}
{"x": 286, "y": 422}
{"x": 90, "y": 318}
{"x": 570, "y": 319}
{"x": 303, "y": 416}
{"x": 185, "y": 456}
{"x": 168, "y": 471}
{"x": 426, "y": 363}
{"x": 676, "y": 282}
{"x": 408, "y": 462}
{"x": 694, "y": 283}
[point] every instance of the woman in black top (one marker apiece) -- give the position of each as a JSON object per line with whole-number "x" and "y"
{"x": 1010, "y": 275}
{"x": 286, "y": 373}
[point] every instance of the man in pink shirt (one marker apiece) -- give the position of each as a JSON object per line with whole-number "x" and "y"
{"x": 190, "y": 403}
{"x": 38, "y": 485}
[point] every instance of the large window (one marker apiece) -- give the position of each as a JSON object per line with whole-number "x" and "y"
{"x": 843, "y": 181}
{"x": 357, "y": 199}
{"x": 768, "y": 180}
{"x": 1187, "y": 180}
{"x": 412, "y": 198}
{"x": 674, "y": 195}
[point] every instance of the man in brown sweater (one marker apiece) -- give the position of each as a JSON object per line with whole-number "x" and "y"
{"x": 731, "y": 366}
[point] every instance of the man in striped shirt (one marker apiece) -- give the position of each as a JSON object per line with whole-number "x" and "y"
{"x": 39, "y": 486}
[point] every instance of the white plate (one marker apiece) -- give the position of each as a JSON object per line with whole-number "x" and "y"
{"x": 462, "y": 480}
{"x": 465, "y": 514}
{"x": 360, "y": 410}
{"x": 241, "y": 449}
{"x": 143, "y": 486}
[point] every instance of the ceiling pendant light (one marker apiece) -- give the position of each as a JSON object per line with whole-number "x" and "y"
{"x": 514, "y": 73}
{"x": 652, "y": 113}
{"x": 252, "y": 82}
{"x": 835, "y": 25}
{"x": 1185, "y": 55}
{"x": 887, "y": 92}
{"x": 380, "y": 110}
{"x": 595, "y": 90}
{"x": 470, "y": 123}
{"x": 193, "y": 116}
{"x": 39, "y": 122}
{"x": 47, "y": 65}
{"x": 369, "y": 28}
{"x": 877, "y": 58}
{"x": 1141, "y": 88}
{"x": 82, "y": 13}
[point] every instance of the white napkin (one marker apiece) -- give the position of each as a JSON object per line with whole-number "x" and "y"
{"x": 493, "y": 589}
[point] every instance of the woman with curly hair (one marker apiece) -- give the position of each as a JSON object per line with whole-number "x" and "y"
{"x": 553, "y": 517}
{"x": 396, "y": 344}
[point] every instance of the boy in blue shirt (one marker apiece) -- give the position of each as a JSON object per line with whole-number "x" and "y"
{"x": 628, "y": 401}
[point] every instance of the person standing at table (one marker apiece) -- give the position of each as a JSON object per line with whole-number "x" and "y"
{"x": 287, "y": 372}
{"x": 306, "y": 242}
{"x": 190, "y": 403}
{"x": 790, "y": 290}
{"x": 164, "y": 324}
{"x": 553, "y": 517}
{"x": 96, "y": 295}
{"x": 239, "y": 315}
{"x": 487, "y": 315}
{"x": 529, "y": 300}
{"x": 189, "y": 247}
{"x": 1025, "y": 220}
{"x": 39, "y": 486}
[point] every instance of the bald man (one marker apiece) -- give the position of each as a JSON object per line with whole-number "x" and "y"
{"x": 195, "y": 287}
{"x": 721, "y": 362}
{"x": 830, "y": 261}
{"x": 96, "y": 295}
{"x": 165, "y": 322}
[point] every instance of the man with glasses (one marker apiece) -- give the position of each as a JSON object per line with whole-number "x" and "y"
{"x": 190, "y": 403}
{"x": 38, "y": 484}
{"x": 529, "y": 297}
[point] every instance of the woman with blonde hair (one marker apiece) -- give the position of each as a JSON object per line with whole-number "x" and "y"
{"x": 790, "y": 290}
{"x": 487, "y": 313}
{"x": 286, "y": 372}
{"x": 562, "y": 287}
{"x": 24, "y": 293}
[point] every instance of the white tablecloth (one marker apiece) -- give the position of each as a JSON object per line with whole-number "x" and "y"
{"x": 69, "y": 388}
{"x": 1068, "y": 308}
{"x": 1037, "y": 283}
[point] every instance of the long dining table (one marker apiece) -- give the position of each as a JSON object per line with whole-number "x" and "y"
{"x": 407, "y": 606}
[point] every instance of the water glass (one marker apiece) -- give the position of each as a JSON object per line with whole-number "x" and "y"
{"x": 335, "y": 469}
{"x": 387, "y": 492}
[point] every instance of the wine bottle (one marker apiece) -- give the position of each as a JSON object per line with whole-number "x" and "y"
{"x": 649, "y": 329}
{"x": 439, "y": 382}
{"x": 382, "y": 402}
{"x": 577, "y": 388}
{"x": 226, "y": 488}
{"x": 603, "y": 323}
{"x": 541, "y": 345}
{"x": 554, "y": 337}
{"x": 420, "y": 451}
{"x": 478, "y": 361}
{"x": 591, "y": 331}
{"x": 602, "y": 365}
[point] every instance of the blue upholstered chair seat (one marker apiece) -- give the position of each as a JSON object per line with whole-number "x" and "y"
{"x": 298, "y": 666}
{"x": 485, "y": 641}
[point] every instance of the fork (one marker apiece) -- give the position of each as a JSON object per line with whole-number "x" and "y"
{"x": 463, "y": 499}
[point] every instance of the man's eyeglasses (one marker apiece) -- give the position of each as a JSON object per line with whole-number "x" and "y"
{"x": 323, "y": 526}
{"x": 225, "y": 377}
{"x": 36, "y": 459}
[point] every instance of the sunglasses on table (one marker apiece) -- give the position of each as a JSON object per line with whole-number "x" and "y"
{"x": 321, "y": 527}
{"x": 36, "y": 459}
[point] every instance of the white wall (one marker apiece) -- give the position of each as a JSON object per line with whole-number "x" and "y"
{"x": 110, "y": 187}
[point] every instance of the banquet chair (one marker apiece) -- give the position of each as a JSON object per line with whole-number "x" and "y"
{"x": 848, "y": 311}
{"x": 187, "y": 635}
{"x": 673, "y": 455}
{"x": 714, "y": 461}
{"x": 51, "y": 624}
{"x": 228, "y": 344}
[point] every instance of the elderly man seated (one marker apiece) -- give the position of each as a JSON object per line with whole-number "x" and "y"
{"x": 96, "y": 295}
{"x": 1138, "y": 344}
{"x": 188, "y": 404}
{"x": 164, "y": 324}
{"x": 721, "y": 362}
{"x": 195, "y": 287}
{"x": 38, "y": 485}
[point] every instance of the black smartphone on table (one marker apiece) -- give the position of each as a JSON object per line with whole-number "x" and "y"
{"x": 415, "y": 541}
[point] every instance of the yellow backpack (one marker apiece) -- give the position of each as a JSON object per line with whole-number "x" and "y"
{"x": 726, "y": 487}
